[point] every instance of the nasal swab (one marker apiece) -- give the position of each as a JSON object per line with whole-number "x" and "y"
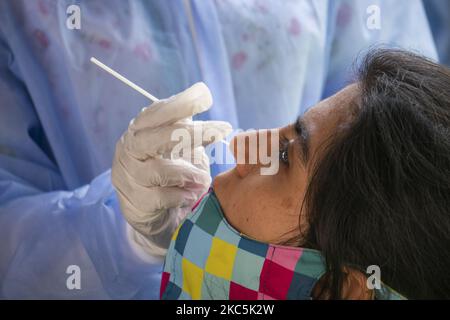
{"x": 124, "y": 80}
{"x": 132, "y": 85}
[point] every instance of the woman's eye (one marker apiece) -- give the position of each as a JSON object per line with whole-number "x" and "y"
{"x": 284, "y": 152}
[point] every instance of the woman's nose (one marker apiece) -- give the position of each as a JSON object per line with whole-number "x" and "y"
{"x": 252, "y": 149}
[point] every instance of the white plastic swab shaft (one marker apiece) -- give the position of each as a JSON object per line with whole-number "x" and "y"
{"x": 124, "y": 80}
{"x": 131, "y": 84}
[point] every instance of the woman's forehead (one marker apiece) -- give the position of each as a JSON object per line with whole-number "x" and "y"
{"x": 334, "y": 109}
{"x": 324, "y": 120}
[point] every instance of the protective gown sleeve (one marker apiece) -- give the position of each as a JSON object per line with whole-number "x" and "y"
{"x": 44, "y": 233}
{"x": 438, "y": 12}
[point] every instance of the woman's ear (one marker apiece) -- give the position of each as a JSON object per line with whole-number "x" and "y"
{"x": 354, "y": 286}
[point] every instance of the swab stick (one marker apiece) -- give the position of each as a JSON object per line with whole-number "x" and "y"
{"x": 132, "y": 85}
{"x": 124, "y": 80}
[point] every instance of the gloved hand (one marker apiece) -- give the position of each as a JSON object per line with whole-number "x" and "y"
{"x": 154, "y": 188}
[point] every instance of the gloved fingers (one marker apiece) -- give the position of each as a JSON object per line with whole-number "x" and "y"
{"x": 193, "y": 100}
{"x": 149, "y": 225}
{"x": 164, "y": 172}
{"x": 174, "y": 138}
{"x": 151, "y": 200}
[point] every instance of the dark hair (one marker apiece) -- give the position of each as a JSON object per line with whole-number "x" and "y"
{"x": 380, "y": 193}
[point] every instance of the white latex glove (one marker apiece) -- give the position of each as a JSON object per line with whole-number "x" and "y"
{"x": 154, "y": 190}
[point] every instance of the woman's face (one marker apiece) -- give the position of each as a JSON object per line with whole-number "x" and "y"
{"x": 268, "y": 207}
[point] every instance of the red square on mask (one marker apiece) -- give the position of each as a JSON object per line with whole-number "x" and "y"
{"x": 275, "y": 280}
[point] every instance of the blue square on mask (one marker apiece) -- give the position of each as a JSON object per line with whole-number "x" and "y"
{"x": 311, "y": 264}
{"x": 198, "y": 246}
{"x": 176, "y": 275}
{"x": 183, "y": 233}
{"x": 172, "y": 292}
{"x": 254, "y": 247}
{"x": 247, "y": 269}
{"x": 168, "y": 261}
{"x": 195, "y": 213}
{"x": 209, "y": 218}
{"x": 184, "y": 296}
{"x": 215, "y": 288}
{"x": 228, "y": 235}
{"x": 301, "y": 287}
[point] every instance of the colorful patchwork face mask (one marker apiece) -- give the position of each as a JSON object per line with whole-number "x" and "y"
{"x": 209, "y": 259}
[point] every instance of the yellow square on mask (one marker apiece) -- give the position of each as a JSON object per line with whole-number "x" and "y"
{"x": 221, "y": 259}
{"x": 192, "y": 279}
{"x": 175, "y": 233}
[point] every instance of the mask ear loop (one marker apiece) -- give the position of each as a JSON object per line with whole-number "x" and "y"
{"x": 248, "y": 237}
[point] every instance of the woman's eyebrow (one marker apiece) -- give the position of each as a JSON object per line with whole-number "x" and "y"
{"x": 303, "y": 137}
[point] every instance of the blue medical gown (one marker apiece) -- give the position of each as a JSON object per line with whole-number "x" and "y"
{"x": 438, "y": 12}
{"x": 60, "y": 116}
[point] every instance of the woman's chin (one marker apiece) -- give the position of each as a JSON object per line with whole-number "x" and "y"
{"x": 223, "y": 188}
{"x": 219, "y": 184}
